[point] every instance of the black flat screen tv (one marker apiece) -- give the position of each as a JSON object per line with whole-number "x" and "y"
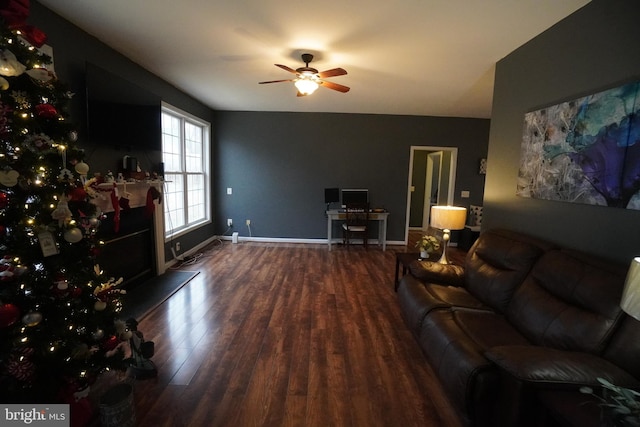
{"x": 121, "y": 114}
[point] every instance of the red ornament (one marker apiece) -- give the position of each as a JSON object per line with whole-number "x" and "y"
{"x": 21, "y": 366}
{"x": 9, "y": 314}
{"x": 78, "y": 194}
{"x": 15, "y": 13}
{"x": 4, "y": 199}
{"x": 34, "y": 35}
{"x": 46, "y": 111}
{"x": 76, "y": 292}
{"x": 110, "y": 343}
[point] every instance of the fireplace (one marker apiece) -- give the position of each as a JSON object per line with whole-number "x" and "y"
{"x": 133, "y": 246}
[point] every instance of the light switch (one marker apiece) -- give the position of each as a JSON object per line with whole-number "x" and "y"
{"x": 229, "y": 190}
{"x": 464, "y": 194}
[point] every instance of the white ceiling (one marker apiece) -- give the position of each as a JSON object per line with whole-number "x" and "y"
{"x": 414, "y": 57}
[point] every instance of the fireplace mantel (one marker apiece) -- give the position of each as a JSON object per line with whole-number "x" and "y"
{"x": 136, "y": 192}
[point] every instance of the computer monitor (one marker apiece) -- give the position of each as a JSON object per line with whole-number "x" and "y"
{"x": 354, "y": 195}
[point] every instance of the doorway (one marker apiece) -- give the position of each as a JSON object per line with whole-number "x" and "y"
{"x": 432, "y": 174}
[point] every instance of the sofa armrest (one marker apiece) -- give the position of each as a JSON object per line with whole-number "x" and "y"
{"x": 434, "y": 272}
{"x": 548, "y": 366}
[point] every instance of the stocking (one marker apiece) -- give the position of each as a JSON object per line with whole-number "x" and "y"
{"x": 116, "y": 209}
{"x": 152, "y": 194}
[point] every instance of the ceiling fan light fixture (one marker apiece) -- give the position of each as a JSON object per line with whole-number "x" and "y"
{"x": 306, "y": 86}
{"x": 308, "y": 79}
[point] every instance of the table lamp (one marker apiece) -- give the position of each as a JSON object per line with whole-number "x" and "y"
{"x": 630, "y": 302}
{"x": 447, "y": 218}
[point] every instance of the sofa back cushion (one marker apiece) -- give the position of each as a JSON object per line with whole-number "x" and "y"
{"x": 569, "y": 301}
{"x": 498, "y": 262}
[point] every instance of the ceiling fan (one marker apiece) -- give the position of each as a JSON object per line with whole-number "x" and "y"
{"x": 308, "y": 79}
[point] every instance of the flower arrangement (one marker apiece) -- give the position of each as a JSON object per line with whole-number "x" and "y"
{"x": 428, "y": 244}
{"x": 620, "y": 406}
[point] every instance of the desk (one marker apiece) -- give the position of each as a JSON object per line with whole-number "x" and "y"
{"x": 336, "y": 215}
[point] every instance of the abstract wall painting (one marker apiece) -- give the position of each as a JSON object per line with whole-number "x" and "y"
{"x": 584, "y": 151}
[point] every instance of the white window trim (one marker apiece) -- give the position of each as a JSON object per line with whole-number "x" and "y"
{"x": 206, "y": 150}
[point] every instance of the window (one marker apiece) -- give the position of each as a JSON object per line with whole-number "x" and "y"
{"x": 185, "y": 153}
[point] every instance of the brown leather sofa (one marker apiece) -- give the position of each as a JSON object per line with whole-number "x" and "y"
{"x": 520, "y": 316}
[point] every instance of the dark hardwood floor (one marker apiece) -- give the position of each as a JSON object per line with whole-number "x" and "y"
{"x": 288, "y": 335}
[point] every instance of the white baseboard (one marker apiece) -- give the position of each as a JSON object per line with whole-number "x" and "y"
{"x": 295, "y": 240}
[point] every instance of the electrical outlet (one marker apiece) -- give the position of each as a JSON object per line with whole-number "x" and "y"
{"x": 229, "y": 222}
{"x": 177, "y": 246}
{"x": 248, "y": 222}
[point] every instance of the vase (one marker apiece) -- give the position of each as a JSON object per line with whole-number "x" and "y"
{"x": 424, "y": 254}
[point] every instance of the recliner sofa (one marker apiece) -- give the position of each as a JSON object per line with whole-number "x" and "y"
{"x": 520, "y": 315}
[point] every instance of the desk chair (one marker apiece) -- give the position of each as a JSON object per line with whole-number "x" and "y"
{"x": 356, "y": 222}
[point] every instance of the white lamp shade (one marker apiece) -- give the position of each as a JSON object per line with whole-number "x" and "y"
{"x": 448, "y": 217}
{"x": 630, "y": 302}
{"x": 306, "y": 86}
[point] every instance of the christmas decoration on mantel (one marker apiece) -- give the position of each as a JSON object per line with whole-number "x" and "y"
{"x": 58, "y": 309}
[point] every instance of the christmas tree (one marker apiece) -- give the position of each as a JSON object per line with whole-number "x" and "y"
{"x": 59, "y": 324}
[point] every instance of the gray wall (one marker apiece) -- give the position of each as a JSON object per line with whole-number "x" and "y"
{"x": 593, "y": 49}
{"x": 278, "y": 165}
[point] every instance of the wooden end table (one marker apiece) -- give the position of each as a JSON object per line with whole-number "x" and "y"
{"x": 404, "y": 259}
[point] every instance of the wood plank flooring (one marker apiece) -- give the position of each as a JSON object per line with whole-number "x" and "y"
{"x": 288, "y": 335}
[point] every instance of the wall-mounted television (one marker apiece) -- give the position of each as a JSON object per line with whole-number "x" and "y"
{"x": 354, "y": 195}
{"x": 121, "y": 114}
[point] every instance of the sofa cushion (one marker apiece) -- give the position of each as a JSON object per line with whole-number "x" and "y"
{"x": 454, "y": 342}
{"x": 417, "y": 299}
{"x": 415, "y": 302}
{"x": 569, "y": 301}
{"x": 434, "y": 272}
{"x": 497, "y": 263}
{"x": 545, "y": 366}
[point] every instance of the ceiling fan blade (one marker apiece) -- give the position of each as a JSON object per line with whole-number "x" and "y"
{"x": 335, "y": 86}
{"x": 284, "y": 67}
{"x": 332, "y": 73}
{"x": 275, "y": 81}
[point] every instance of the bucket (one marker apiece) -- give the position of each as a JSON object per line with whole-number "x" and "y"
{"x": 116, "y": 407}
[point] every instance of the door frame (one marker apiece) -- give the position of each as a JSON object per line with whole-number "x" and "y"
{"x": 452, "y": 178}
